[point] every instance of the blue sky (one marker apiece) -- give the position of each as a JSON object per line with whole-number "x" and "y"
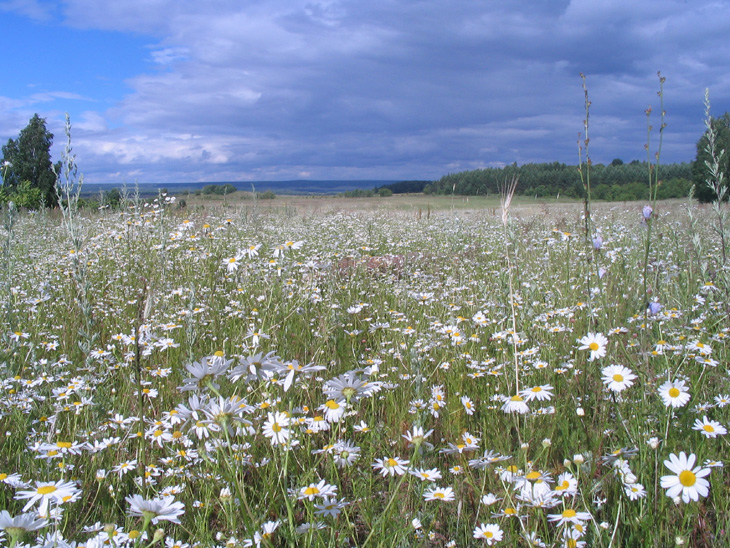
{"x": 179, "y": 90}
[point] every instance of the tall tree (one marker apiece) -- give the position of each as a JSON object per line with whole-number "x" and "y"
{"x": 700, "y": 171}
{"x": 29, "y": 159}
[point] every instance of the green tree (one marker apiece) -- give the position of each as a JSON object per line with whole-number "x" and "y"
{"x": 700, "y": 171}
{"x": 29, "y": 159}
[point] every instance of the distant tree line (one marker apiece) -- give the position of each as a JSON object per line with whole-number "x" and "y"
{"x": 383, "y": 192}
{"x": 401, "y": 187}
{"x": 616, "y": 181}
{"x": 406, "y": 187}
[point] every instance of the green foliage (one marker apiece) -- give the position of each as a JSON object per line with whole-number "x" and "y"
{"x": 110, "y": 198}
{"x": 700, "y": 170}
{"x": 384, "y": 192}
{"x": 266, "y": 195}
{"x": 616, "y": 182}
{"x": 219, "y": 190}
{"x": 24, "y": 196}
{"x": 29, "y": 159}
{"x": 407, "y": 187}
{"x": 358, "y": 193}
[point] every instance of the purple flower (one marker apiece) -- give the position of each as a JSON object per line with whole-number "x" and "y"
{"x": 647, "y": 211}
{"x": 654, "y": 308}
{"x": 598, "y": 241}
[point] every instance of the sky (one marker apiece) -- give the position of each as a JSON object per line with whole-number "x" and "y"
{"x": 162, "y": 91}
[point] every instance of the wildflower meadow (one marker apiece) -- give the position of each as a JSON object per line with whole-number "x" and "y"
{"x": 330, "y": 376}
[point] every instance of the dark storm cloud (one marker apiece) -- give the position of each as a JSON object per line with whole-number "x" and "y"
{"x": 397, "y": 89}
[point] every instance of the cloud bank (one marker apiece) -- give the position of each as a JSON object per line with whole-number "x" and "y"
{"x": 389, "y": 89}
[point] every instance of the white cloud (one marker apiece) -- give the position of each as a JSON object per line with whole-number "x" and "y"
{"x": 277, "y": 88}
{"x": 38, "y": 11}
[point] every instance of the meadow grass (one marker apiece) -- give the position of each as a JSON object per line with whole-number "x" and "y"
{"x": 318, "y": 373}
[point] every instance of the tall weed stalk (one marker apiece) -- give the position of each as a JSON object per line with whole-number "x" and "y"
{"x": 716, "y": 182}
{"x": 68, "y": 189}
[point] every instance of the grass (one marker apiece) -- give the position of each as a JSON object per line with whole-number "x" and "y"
{"x": 425, "y": 315}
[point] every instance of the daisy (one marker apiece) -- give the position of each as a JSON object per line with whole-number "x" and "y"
{"x": 540, "y": 393}
{"x": 391, "y": 466}
{"x": 635, "y": 491}
{"x": 417, "y": 437}
{"x": 709, "y": 429}
{"x": 489, "y": 532}
{"x": 515, "y": 404}
{"x": 253, "y": 250}
{"x": 23, "y": 522}
{"x": 232, "y": 263}
{"x": 489, "y": 499}
{"x": 14, "y": 480}
{"x": 443, "y": 494}
{"x": 700, "y": 347}
{"x": 329, "y": 507}
{"x": 321, "y": 489}
{"x": 688, "y": 482}
{"x": 468, "y": 405}
{"x": 349, "y": 387}
{"x": 569, "y": 516}
{"x": 426, "y": 475}
{"x": 333, "y": 410}
{"x": 47, "y": 492}
{"x": 596, "y": 343}
{"x": 276, "y": 428}
{"x": 204, "y": 373}
{"x": 674, "y": 394}
{"x": 156, "y": 509}
{"x": 124, "y": 467}
{"x": 567, "y": 484}
{"x": 617, "y": 378}
{"x": 345, "y": 453}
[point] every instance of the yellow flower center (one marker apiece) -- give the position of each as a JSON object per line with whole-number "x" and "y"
{"x": 439, "y": 495}
{"x": 537, "y": 389}
{"x": 488, "y": 534}
{"x": 708, "y": 428}
{"x": 673, "y": 392}
{"x": 569, "y": 513}
{"x": 332, "y": 404}
{"x": 310, "y": 491}
{"x": 563, "y": 486}
{"x": 48, "y": 489}
{"x": 276, "y": 428}
{"x": 593, "y": 346}
{"x": 618, "y": 377}
{"x": 516, "y": 397}
{"x": 533, "y": 475}
{"x": 392, "y": 462}
{"x": 687, "y": 478}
